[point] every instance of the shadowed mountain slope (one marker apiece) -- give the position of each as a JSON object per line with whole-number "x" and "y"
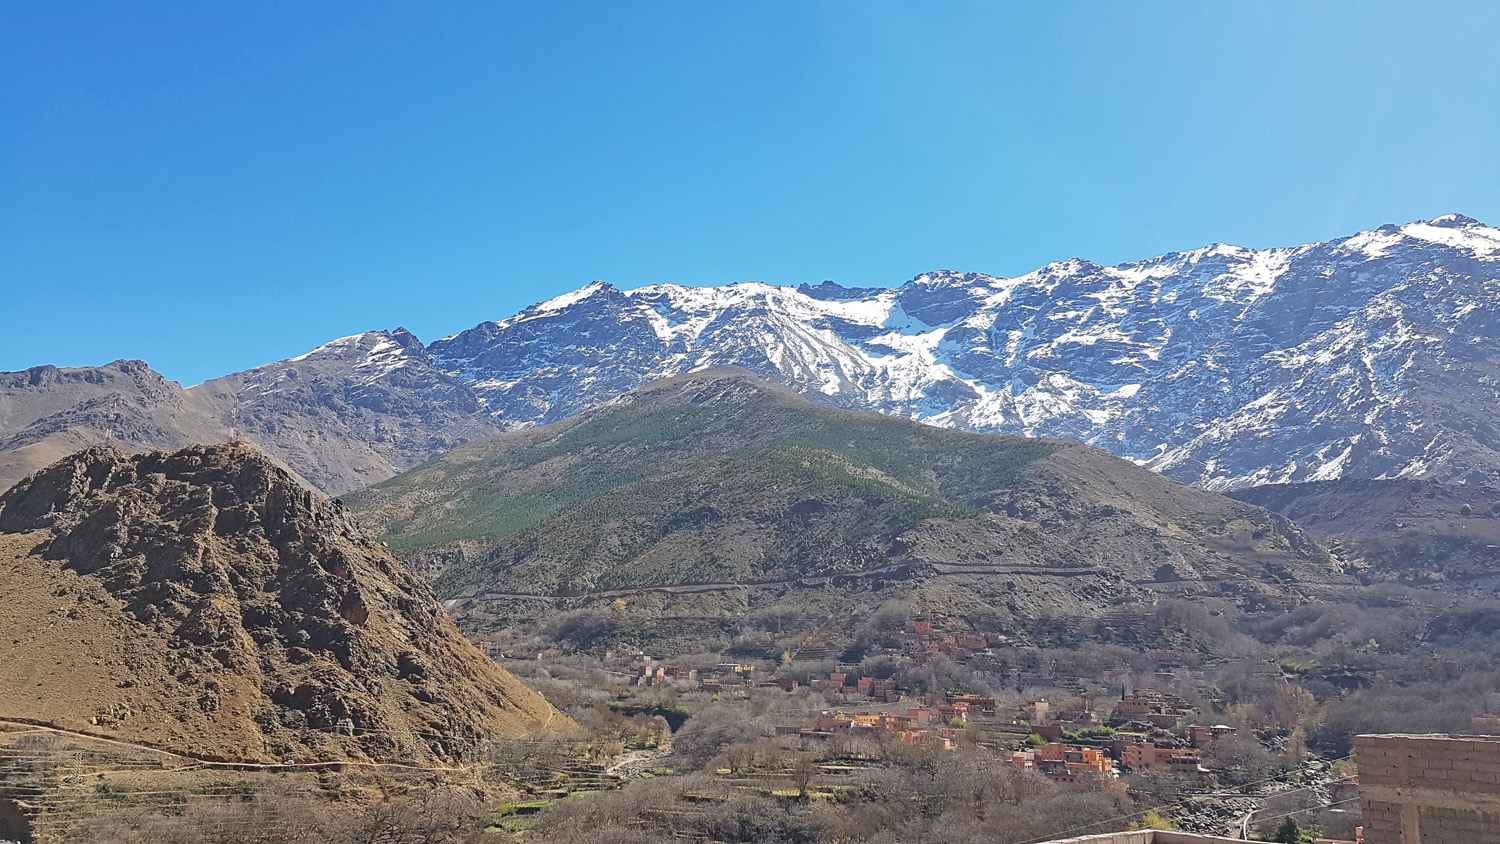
{"x": 204, "y": 602}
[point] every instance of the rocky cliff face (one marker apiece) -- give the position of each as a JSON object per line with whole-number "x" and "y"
{"x": 239, "y": 615}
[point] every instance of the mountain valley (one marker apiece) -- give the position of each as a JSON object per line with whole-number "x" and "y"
{"x": 665, "y": 510}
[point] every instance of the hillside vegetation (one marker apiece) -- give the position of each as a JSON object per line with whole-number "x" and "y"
{"x": 721, "y": 478}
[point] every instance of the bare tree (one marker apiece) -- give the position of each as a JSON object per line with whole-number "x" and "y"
{"x": 804, "y": 770}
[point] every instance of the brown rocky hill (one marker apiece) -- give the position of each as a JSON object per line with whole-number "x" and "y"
{"x": 204, "y": 602}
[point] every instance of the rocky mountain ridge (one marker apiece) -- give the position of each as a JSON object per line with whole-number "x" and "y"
{"x": 1369, "y": 356}
{"x": 345, "y": 415}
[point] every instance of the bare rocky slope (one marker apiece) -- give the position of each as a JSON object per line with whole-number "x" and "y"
{"x": 718, "y": 482}
{"x": 353, "y": 411}
{"x": 47, "y": 413}
{"x": 1415, "y": 532}
{"x": 204, "y": 602}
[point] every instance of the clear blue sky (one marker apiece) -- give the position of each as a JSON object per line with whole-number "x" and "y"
{"x": 209, "y": 186}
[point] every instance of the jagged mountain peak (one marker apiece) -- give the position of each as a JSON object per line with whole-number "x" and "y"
{"x": 592, "y": 290}
{"x": 833, "y": 291}
{"x": 1070, "y": 266}
{"x": 379, "y": 342}
{"x": 1464, "y": 235}
{"x": 407, "y": 340}
{"x": 948, "y": 278}
{"x": 352, "y": 411}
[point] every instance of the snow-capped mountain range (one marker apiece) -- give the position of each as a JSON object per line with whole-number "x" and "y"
{"x": 1369, "y": 356}
{"x": 1222, "y": 366}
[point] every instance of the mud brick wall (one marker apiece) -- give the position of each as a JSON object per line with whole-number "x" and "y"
{"x": 1431, "y": 789}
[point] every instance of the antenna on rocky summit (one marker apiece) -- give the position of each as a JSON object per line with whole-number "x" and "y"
{"x": 234, "y": 422}
{"x": 113, "y": 420}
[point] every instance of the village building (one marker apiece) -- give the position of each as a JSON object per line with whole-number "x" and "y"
{"x": 918, "y": 724}
{"x": 842, "y": 687}
{"x": 1148, "y": 757}
{"x": 1416, "y": 789}
{"x": 1148, "y": 702}
{"x": 660, "y": 675}
{"x": 1064, "y": 765}
{"x": 1200, "y": 736}
{"x": 1036, "y": 712}
{"x": 983, "y": 706}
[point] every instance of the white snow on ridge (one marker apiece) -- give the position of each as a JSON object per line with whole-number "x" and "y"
{"x": 384, "y": 357}
{"x": 1199, "y": 363}
{"x": 566, "y": 300}
{"x": 1484, "y": 242}
{"x": 331, "y": 345}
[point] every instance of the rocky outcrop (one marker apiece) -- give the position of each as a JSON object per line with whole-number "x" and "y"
{"x": 259, "y": 611}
